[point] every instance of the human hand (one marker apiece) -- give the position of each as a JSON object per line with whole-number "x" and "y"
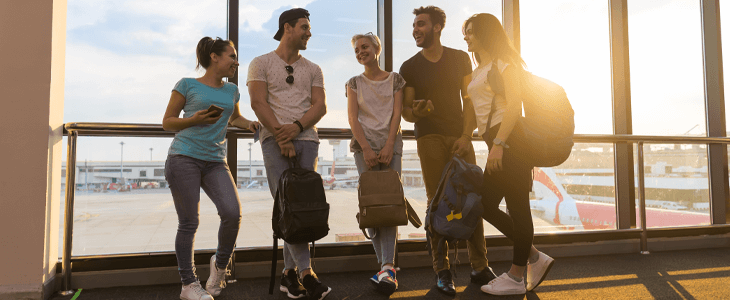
{"x": 386, "y": 155}
{"x": 494, "y": 160}
{"x": 371, "y": 159}
{"x": 422, "y": 108}
{"x": 461, "y": 146}
{"x": 204, "y": 117}
{"x": 286, "y": 133}
{"x": 253, "y": 126}
{"x": 287, "y": 149}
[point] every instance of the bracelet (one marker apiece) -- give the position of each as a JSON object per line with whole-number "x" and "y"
{"x": 301, "y": 128}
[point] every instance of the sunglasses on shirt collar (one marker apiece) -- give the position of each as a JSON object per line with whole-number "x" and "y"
{"x": 290, "y": 78}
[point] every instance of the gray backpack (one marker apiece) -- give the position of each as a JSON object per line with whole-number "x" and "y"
{"x": 456, "y": 209}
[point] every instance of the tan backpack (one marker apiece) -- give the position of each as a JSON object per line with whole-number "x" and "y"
{"x": 382, "y": 202}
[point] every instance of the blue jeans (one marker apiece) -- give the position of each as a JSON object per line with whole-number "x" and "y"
{"x": 384, "y": 238}
{"x": 186, "y": 175}
{"x": 295, "y": 255}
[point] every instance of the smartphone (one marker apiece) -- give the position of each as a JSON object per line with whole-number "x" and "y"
{"x": 216, "y": 109}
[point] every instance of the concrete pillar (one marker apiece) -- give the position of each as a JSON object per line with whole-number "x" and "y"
{"x": 32, "y": 56}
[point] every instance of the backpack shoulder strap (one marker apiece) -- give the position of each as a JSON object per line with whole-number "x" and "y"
{"x": 274, "y": 259}
{"x": 412, "y": 216}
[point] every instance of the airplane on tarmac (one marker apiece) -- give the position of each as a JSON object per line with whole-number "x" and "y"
{"x": 554, "y": 205}
{"x": 333, "y": 182}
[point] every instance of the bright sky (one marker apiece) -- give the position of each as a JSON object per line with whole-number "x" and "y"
{"x": 124, "y": 57}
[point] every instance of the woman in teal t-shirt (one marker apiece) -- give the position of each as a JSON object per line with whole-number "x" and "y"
{"x": 197, "y": 159}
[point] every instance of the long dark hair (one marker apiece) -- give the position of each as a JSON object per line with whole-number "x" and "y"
{"x": 208, "y": 45}
{"x": 491, "y": 35}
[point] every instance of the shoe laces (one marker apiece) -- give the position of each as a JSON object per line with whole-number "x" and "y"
{"x": 198, "y": 289}
{"x": 220, "y": 277}
{"x": 498, "y": 279}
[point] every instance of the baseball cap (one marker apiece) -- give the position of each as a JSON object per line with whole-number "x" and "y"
{"x": 286, "y": 16}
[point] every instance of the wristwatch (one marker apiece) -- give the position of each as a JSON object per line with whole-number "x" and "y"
{"x": 497, "y": 141}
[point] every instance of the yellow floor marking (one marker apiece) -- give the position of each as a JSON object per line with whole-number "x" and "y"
{"x": 698, "y": 271}
{"x": 588, "y": 279}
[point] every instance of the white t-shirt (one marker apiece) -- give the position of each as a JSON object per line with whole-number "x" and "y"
{"x": 481, "y": 95}
{"x": 288, "y": 101}
{"x": 375, "y": 103}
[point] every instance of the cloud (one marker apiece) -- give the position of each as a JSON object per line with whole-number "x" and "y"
{"x": 255, "y": 13}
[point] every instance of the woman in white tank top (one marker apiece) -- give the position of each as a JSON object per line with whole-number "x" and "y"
{"x": 374, "y": 108}
{"x": 506, "y": 175}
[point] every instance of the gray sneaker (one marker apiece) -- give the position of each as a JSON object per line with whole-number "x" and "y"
{"x": 194, "y": 291}
{"x": 217, "y": 280}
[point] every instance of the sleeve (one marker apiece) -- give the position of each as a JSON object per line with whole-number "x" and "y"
{"x": 465, "y": 64}
{"x": 405, "y": 73}
{"x": 352, "y": 83}
{"x": 182, "y": 87}
{"x": 318, "y": 79}
{"x": 398, "y": 82}
{"x": 256, "y": 70}
{"x": 237, "y": 96}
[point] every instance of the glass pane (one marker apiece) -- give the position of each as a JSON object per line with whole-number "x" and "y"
{"x": 333, "y": 25}
{"x": 457, "y": 11}
{"x": 125, "y": 209}
{"x": 578, "y": 194}
{"x": 124, "y": 57}
{"x": 581, "y": 65}
{"x": 665, "y": 46}
{"x": 676, "y": 185}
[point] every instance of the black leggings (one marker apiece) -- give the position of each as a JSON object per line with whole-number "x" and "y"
{"x": 513, "y": 184}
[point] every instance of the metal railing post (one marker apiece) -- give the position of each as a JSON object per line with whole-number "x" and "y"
{"x": 68, "y": 218}
{"x": 642, "y": 199}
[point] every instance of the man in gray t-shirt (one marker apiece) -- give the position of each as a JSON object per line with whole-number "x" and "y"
{"x": 287, "y": 95}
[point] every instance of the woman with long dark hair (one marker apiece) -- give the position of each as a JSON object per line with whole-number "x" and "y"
{"x": 507, "y": 175}
{"x": 197, "y": 159}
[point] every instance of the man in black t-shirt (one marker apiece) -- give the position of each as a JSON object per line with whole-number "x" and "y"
{"x": 436, "y": 81}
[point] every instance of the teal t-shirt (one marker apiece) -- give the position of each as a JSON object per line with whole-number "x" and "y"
{"x": 208, "y": 141}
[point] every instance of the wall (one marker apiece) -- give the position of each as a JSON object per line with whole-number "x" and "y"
{"x": 32, "y": 56}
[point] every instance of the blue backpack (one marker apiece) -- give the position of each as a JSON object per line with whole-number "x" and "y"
{"x": 456, "y": 208}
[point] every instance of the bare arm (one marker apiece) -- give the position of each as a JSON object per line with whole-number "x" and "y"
{"x": 409, "y": 94}
{"x": 241, "y": 122}
{"x": 318, "y": 109}
{"x": 514, "y": 103}
{"x": 470, "y": 117}
{"x": 258, "y": 91}
{"x": 353, "y": 108}
{"x": 172, "y": 121}
{"x": 395, "y": 120}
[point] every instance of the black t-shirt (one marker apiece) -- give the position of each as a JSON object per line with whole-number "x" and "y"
{"x": 441, "y": 83}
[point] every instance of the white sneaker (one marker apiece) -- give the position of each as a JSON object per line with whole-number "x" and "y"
{"x": 537, "y": 272}
{"x": 217, "y": 280}
{"x": 504, "y": 285}
{"x": 194, "y": 291}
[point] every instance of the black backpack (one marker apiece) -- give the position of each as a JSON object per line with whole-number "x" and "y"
{"x": 300, "y": 210}
{"x": 545, "y": 134}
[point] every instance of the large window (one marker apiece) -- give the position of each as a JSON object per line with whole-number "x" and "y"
{"x": 665, "y": 48}
{"x": 575, "y": 56}
{"x": 124, "y": 57}
{"x": 333, "y": 25}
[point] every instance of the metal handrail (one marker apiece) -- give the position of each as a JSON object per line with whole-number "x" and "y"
{"x": 73, "y": 130}
{"x": 139, "y": 129}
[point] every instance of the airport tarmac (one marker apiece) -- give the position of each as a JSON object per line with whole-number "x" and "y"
{"x": 143, "y": 221}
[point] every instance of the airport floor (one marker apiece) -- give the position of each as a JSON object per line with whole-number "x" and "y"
{"x": 695, "y": 274}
